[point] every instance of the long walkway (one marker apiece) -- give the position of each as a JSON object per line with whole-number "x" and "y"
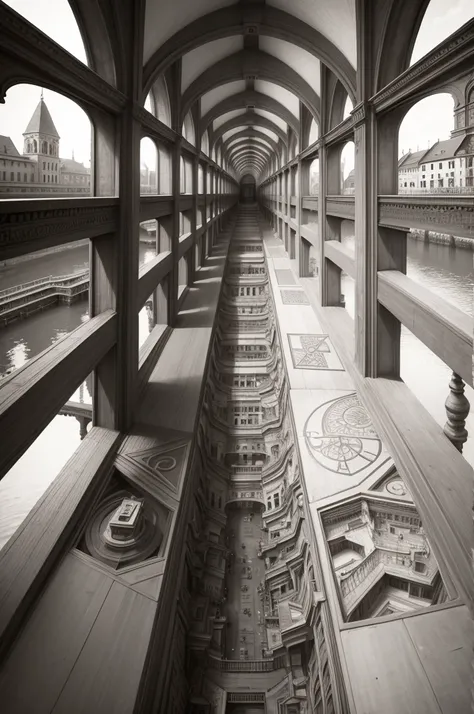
{"x": 245, "y": 633}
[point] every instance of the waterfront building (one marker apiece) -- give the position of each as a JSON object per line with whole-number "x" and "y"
{"x": 262, "y": 516}
{"x": 447, "y": 166}
{"x": 40, "y": 169}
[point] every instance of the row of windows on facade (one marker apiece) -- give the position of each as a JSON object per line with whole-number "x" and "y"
{"x": 47, "y": 178}
{"x": 45, "y": 148}
{"x": 245, "y": 348}
{"x": 451, "y": 164}
{"x": 243, "y": 292}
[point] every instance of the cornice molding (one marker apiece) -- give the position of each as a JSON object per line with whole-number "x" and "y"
{"x": 28, "y": 55}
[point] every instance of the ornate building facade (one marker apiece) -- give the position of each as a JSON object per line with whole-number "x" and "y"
{"x": 262, "y": 516}
{"x": 40, "y": 169}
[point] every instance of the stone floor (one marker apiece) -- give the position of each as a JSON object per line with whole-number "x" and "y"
{"x": 245, "y": 632}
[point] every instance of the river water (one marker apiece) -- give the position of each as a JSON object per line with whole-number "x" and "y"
{"x": 448, "y": 271}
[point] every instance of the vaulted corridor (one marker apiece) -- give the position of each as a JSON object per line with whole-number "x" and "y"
{"x": 263, "y": 516}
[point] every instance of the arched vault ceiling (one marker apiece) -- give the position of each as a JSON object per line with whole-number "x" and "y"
{"x": 324, "y": 28}
{"x": 204, "y": 56}
{"x": 281, "y": 95}
{"x": 255, "y": 64}
{"x": 272, "y": 117}
{"x": 245, "y": 150}
{"x": 335, "y": 19}
{"x": 249, "y": 98}
{"x": 250, "y": 135}
{"x": 240, "y": 123}
{"x": 305, "y": 64}
{"x": 249, "y": 160}
{"x": 164, "y": 19}
{"x": 226, "y": 117}
{"x": 217, "y": 94}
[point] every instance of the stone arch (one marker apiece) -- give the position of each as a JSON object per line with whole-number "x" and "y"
{"x": 251, "y": 63}
{"x": 271, "y": 21}
{"x": 101, "y": 55}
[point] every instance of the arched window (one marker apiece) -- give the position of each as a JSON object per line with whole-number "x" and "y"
{"x": 160, "y": 107}
{"x": 314, "y": 178}
{"x": 71, "y": 124}
{"x": 348, "y": 108}
{"x": 440, "y": 20}
{"x": 58, "y": 23}
{"x": 148, "y": 167}
{"x": 164, "y": 171}
{"x": 347, "y": 185}
{"x": 428, "y": 160}
{"x": 188, "y": 129}
{"x": 313, "y": 133}
{"x": 205, "y": 143}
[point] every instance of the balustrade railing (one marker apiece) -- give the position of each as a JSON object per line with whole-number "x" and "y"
{"x": 457, "y": 410}
{"x": 247, "y": 665}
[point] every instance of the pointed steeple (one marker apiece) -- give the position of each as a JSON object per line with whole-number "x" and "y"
{"x": 41, "y": 122}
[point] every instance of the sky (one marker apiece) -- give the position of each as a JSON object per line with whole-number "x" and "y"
{"x": 430, "y": 120}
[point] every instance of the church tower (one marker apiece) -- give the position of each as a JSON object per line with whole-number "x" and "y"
{"x": 41, "y": 144}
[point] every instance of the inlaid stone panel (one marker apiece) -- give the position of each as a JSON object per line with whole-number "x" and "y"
{"x": 294, "y": 297}
{"x": 313, "y": 352}
{"x": 340, "y": 436}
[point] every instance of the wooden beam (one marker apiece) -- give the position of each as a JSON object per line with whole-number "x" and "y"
{"x": 32, "y": 224}
{"x": 34, "y": 394}
{"x": 30, "y": 553}
{"x": 151, "y": 274}
{"x": 155, "y": 207}
{"x": 341, "y": 256}
{"x": 442, "y": 327}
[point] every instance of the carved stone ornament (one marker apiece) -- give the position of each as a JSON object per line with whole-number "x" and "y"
{"x": 124, "y": 530}
{"x": 340, "y": 436}
{"x": 44, "y": 223}
{"x": 422, "y": 68}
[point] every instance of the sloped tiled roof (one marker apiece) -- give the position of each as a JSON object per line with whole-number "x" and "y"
{"x": 411, "y": 160}
{"x": 7, "y": 147}
{"x": 443, "y": 150}
{"x": 41, "y": 122}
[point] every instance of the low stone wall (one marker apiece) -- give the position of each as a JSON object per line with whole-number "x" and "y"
{"x": 442, "y": 239}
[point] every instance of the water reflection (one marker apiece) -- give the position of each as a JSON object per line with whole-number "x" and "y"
{"x": 28, "y": 479}
{"x": 449, "y": 272}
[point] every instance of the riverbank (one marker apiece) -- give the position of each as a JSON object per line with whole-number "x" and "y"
{"x": 442, "y": 239}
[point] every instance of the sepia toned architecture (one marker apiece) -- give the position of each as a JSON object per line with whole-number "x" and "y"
{"x": 261, "y": 517}
{"x": 40, "y": 169}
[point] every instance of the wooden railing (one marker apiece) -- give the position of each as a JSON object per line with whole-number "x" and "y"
{"x": 249, "y": 665}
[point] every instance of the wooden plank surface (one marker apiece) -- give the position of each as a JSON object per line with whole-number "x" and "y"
{"x": 151, "y": 274}
{"x": 385, "y": 673}
{"x": 172, "y": 394}
{"x": 341, "y": 256}
{"x": 442, "y": 327}
{"x": 106, "y": 675}
{"x": 35, "y": 393}
{"x": 438, "y": 476}
{"x": 25, "y": 559}
{"x": 443, "y": 642}
{"x": 45, "y": 653}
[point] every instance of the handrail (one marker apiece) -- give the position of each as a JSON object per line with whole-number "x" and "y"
{"x": 50, "y": 279}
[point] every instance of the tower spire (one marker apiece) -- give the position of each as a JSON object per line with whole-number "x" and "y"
{"x": 42, "y": 91}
